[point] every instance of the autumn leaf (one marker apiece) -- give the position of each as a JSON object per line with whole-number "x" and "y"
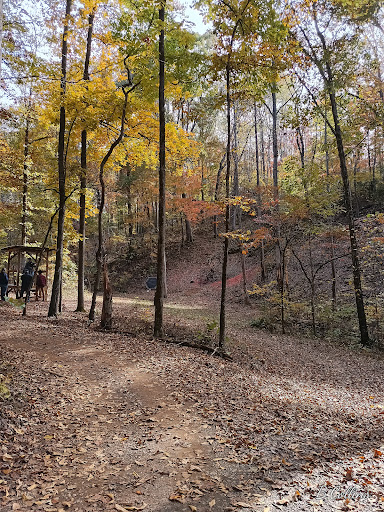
{"x": 120, "y": 508}
{"x": 176, "y": 497}
{"x": 284, "y": 501}
{"x": 130, "y": 507}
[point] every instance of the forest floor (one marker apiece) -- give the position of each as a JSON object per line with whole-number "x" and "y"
{"x": 117, "y": 421}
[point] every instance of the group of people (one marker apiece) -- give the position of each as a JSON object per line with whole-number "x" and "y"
{"x": 26, "y": 282}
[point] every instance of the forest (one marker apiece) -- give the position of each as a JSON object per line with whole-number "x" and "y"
{"x": 268, "y": 126}
{"x": 210, "y": 203}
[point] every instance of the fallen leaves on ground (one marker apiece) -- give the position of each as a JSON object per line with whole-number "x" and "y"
{"x": 101, "y": 421}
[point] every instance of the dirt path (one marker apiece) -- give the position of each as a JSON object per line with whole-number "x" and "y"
{"x": 105, "y": 433}
{"x": 115, "y": 422}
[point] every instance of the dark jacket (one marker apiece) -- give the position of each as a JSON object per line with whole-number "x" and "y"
{"x": 26, "y": 281}
{"x": 29, "y": 268}
{"x": 3, "y": 279}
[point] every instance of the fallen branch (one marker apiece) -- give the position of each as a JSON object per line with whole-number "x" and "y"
{"x": 205, "y": 348}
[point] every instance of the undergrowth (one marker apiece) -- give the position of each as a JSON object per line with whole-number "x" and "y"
{"x": 331, "y": 322}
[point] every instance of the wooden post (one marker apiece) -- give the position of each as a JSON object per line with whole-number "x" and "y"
{"x": 46, "y": 266}
{"x": 18, "y": 272}
{"x": 9, "y": 262}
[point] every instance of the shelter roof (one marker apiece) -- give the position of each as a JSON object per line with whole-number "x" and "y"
{"x": 25, "y": 248}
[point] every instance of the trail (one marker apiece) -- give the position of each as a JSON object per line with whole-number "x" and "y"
{"x": 105, "y": 433}
{"x": 102, "y": 422}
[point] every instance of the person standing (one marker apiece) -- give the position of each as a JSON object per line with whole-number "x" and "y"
{"x": 26, "y": 285}
{"x": 29, "y": 267}
{"x": 41, "y": 285}
{"x": 3, "y": 283}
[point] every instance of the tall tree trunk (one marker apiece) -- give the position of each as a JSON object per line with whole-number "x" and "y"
{"x": 262, "y": 258}
{"x": 334, "y": 275}
{"x": 156, "y": 217}
{"x": 25, "y": 173}
{"x": 227, "y": 213}
{"x": 333, "y": 265}
{"x": 188, "y": 231}
{"x": 54, "y": 303}
{"x": 330, "y": 85}
{"x": 235, "y": 185}
{"x": 244, "y": 272}
{"x": 351, "y": 224}
{"x": 282, "y": 283}
{"x": 100, "y": 254}
{"x": 83, "y": 178}
{"x": 25, "y": 184}
{"x": 355, "y": 169}
{"x": 257, "y": 159}
{"x": 279, "y": 262}
{"x": 274, "y": 141}
{"x": 202, "y": 180}
{"x": 188, "y": 227}
{"x": 182, "y": 228}
{"x": 372, "y": 167}
{"x": 106, "y": 313}
{"x": 326, "y": 150}
{"x": 61, "y": 296}
{"x": 160, "y": 288}
{"x": 217, "y": 187}
{"x": 81, "y": 247}
{"x": 262, "y": 148}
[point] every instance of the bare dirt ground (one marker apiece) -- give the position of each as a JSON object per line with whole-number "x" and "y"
{"x": 117, "y": 421}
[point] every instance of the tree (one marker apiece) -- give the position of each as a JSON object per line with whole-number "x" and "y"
{"x": 127, "y": 87}
{"x": 245, "y": 34}
{"x": 83, "y": 176}
{"x": 56, "y": 286}
{"x": 321, "y": 56}
{"x": 160, "y": 288}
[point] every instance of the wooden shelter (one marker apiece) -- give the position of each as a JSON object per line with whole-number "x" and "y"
{"x": 17, "y": 254}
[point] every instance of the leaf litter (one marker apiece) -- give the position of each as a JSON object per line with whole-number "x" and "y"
{"x": 101, "y": 421}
